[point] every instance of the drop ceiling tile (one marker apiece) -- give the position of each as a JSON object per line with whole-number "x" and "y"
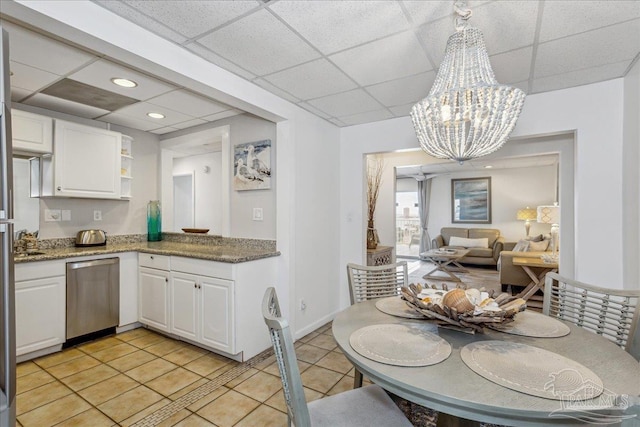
{"x": 128, "y": 121}
{"x": 346, "y": 103}
{"x": 163, "y": 131}
{"x": 506, "y": 25}
{"x": 422, "y": 11}
{"x": 382, "y": 60}
{"x": 139, "y": 111}
{"x": 189, "y": 123}
{"x": 38, "y": 51}
{"x": 403, "y": 91}
{"x": 29, "y": 78}
{"x": 313, "y": 110}
{"x": 336, "y": 25}
{"x": 188, "y": 103}
{"x": 402, "y": 110}
{"x": 100, "y": 73}
{"x": 140, "y": 19}
{"x": 259, "y": 43}
{"x": 368, "y": 117}
{"x": 64, "y": 106}
{"x": 607, "y": 45}
{"x": 210, "y": 56}
{"x": 580, "y": 77}
{"x": 191, "y": 18}
{"x": 276, "y": 90}
{"x": 222, "y": 115}
{"x": 564, "y": 18}
{"x": 514, "y": 66}
{"x": 312, "y": 80}
{"x": 523, "y": 86}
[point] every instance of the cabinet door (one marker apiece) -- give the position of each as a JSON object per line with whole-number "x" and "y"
{"x": 40, "y": 314}
{"x": 217, "y": 314}
{"x": 31, "y": 133}
{"x": 86, "y": 161}
{"x": 154, "y": 298}
{"x": 184, "y": 307}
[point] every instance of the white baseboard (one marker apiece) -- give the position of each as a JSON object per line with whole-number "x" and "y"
{"x": 315, "y": 325}
{"x": 128, "y": 327}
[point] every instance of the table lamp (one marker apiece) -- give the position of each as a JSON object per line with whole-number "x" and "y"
{"x": 551, "y": 215}
{"x": 526, "y": 215}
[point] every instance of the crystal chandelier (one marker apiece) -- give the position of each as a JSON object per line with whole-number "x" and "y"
{"x": 467, "y": 113}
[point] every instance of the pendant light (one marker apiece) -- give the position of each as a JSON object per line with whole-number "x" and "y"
{"x": 467, "y": 113}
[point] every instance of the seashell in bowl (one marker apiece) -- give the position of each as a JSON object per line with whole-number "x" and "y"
{"x": 457, "y": 298}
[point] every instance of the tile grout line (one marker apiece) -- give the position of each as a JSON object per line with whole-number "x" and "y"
{"x": 182, "y": 402}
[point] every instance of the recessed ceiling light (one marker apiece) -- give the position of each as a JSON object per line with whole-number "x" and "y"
{"x": 123, "y": 82}
{"x": 156, "y": 115}
{"x": 488, "y": 167}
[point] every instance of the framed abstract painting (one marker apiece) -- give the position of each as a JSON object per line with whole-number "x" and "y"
{"x": 471, "y": 200}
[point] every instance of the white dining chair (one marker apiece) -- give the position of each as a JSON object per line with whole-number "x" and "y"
{"x": 366, "y": 406}
{"x": 612, "y": 313}
{"x": 368, "y": 282}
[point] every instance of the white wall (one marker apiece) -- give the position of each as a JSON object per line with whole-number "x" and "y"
{"x": 511, "y": 189}
{"x": 207, "y": 186}
{"x": 631, "y": 177}
{"x": 598, "y": 179}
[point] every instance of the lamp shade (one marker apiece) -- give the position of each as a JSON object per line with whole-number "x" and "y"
{"x": 549, "y": 214}
{"x": 526, "y": 214}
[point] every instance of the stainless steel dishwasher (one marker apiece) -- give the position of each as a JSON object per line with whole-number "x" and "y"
{"x": 93, "y": 296}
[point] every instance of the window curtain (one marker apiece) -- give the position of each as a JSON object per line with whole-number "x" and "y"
{"x": 424, "y": 200}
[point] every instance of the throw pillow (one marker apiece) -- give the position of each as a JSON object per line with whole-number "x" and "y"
{"x": 538, "y": 238}
{"x": 521, "y": 246}
{"x": 469, "y": 243}
{"x": 538, "y": 246}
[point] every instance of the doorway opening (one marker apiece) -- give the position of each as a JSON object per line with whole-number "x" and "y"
{"x": 407, "y": 219}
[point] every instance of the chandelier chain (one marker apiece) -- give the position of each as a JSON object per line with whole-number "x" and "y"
{"x": 463, "y": 14}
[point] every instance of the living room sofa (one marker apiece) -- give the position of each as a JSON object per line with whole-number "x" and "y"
{"x": 477, "y": 255}
{"x": 515, "y": 275}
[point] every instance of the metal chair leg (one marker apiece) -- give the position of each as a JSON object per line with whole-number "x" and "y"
{"x": 357, "y": 379}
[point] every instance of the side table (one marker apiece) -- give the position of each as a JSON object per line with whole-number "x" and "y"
{"x": 537, "y": 281}
{"x": 380, "y": 256}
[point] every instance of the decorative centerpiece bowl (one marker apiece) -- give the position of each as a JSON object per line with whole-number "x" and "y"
{"x": 468, "y": 310}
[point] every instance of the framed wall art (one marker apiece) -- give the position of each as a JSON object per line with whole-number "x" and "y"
{"x": 252, "y": 165}
{"x": 471, "y": 200}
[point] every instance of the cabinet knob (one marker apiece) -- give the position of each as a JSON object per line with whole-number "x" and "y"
{"x": 151, "y": 257}
{"x": 166, "y": 280}
{"x": 195, "y": 286}
{"x": 59, "y": 188}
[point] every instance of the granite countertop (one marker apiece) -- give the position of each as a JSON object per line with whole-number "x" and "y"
{"x": 231, "y": 253}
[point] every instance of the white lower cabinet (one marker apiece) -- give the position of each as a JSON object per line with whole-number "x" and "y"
{"x": 154, "y": 298}
{"x": 202, "y": 310}
{"x": 40, "y": 306}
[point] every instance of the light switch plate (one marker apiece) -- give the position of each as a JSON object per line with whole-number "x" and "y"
{"x": 257, "y": 214}
{"x": 66, "y": 215}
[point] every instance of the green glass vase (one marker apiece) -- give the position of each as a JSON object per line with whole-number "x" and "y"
{"x": 154, "y": 221}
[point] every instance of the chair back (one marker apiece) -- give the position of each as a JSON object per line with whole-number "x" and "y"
{"x": 612, "y": 313}
{"x": 286, "y": 358}
{"x": 368, "y": 282}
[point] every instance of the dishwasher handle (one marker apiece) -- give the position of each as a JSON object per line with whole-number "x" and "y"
{"x": 92, "y": 263}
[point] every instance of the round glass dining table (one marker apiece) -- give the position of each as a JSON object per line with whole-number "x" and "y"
{"x": 453, "y": 388}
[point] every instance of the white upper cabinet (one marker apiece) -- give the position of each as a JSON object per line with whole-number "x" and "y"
{"x": 31, "y": 133}
{"x": 86, "y": 161}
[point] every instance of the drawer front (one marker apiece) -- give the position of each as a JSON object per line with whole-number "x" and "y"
{"x": 202, "y": 267}
{"x": 39, "y": 270}
{"x": 160, "y": 262}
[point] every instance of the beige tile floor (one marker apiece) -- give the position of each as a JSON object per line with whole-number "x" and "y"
{"x": 141, "y": 377}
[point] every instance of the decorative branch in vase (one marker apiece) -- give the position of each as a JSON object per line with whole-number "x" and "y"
{"x": 374, "y": 178}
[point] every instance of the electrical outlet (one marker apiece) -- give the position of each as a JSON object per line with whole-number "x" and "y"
{"x": 52, "y": 215}
{"x": 303, "y": 305}
{"x": 257, "y": 214}
{"x": 97, "y": 215}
